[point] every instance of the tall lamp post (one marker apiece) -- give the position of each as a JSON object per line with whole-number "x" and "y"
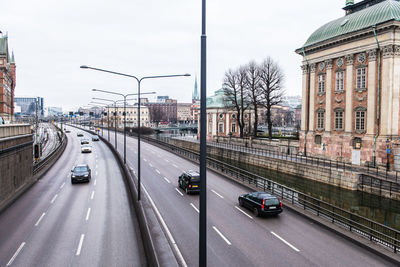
{"x": 138, "y": 80}
{"x": 124, "y": 96}
{"x": 203, "y": 144}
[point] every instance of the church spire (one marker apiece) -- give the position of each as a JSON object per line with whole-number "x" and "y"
{"x": 195, "y": 95}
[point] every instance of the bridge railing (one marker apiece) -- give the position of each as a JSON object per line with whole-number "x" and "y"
{"x": 359, "y": 225}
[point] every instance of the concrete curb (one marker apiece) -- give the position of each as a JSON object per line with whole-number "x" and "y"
{"x": 157, "y": 247}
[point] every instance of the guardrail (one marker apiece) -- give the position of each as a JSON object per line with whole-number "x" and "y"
{"x": 39, "y": 166}
{"x": 379, "y": 233}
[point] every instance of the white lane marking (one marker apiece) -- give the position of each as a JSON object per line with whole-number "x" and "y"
{"x": 78, "y": 251}
{"x": 151, "y": 165}
{"x": 96, "y": 166}
{"x": 175, "y": 166}
{"x": 54, "y": 199}
{"x": 177, "y": 190}
{"x": 222, "y": 236}
{"x": 95, "y": 182}
{"x": 92, "y": 196}
{"x": 62, "y": 185}
{"x": 158, "y": 171}
{"x": 41, "y": 217}
{"x": 193, "y": 206}
{"x": 96, "y": 173}
{"x": 16, "y": 254}
{"x": 216, "y": 193}
{"x": 284, "y": 241}
{"x": 145, "y": 160}
{"x": 88, "y": 214}
{"x": 166, "y": 160}
{"x": 239, "y": 209}
{"x": 178, "y": 252}
{"x": 168, "y": 181}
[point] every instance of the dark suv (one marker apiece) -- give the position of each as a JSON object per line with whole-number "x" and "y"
{"x": 261, "y": 203}
{"x": 81, "y": 173}
{"x": 189, "y": 181}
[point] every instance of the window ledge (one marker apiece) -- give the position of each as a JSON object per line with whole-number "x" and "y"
{"x": 361, "y": 89}
{"x": 321, "y": 93}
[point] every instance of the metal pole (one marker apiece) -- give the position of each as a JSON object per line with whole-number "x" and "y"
{"x": 108, "y": 122}
{"x": 139, "y": 138}
{"x": 203, "y": 147}
{"x": 124, "y": 129}
{"x": 115, "y": 123}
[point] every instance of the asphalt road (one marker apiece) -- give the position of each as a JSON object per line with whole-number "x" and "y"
{"x": 234, "y": 236}
{"x": 56, "y": 223}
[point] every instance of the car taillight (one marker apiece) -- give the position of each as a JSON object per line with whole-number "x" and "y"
{"x": 262, "y": 206}
{"x": 190, "y": 186}
{"x": 280, "y": 202}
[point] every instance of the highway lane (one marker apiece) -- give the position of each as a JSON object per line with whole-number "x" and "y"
{"x": 56, "y": 223}
{"x": 235, "y": 236}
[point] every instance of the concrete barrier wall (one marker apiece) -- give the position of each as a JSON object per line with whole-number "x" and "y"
{"x": 339, "y": 178}
{"x": 16, "y": 164}
{"x": 9, "y": 130}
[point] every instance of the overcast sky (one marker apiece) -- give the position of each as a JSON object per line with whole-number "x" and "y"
{"x": 52, "y": 38}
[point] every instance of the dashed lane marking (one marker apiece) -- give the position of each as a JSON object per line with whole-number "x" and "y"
{"x": 168, "y": 181}
{"x": 88, "y": 214}
{"x": 78, "y": 251}
{"x": 16, "y": 254}
{"x": 151, "y": 165}
{"x": 284, "y": 241}
{"x": 145, "y": 160}
{"x": 92, "y": 196}
{"x": 158, "y": 171}
{"x": 193, "y": 206}
{"x": 239, "y": 209}
{"x": 41, "y": 217}
{"x": 177, "y": 190}
{"x": 175, "y": 166}
{"x": 54, "y": 199}
{"x": 216, "y": 193}
{"x": 62, "y": 185}
{"x": 95, "y": 182}
{"x": 222, "y": 236}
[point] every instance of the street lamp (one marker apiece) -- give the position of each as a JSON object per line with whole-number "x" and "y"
{"x": 138, "y": 80}
{"x": 124, "y": 96}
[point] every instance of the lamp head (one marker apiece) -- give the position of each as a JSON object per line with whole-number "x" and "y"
{"x": 94, "y": 89}
{"x": 84, "y": 67}
{"x": 187, "y": 74}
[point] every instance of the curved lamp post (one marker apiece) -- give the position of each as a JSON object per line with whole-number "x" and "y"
{"x": 138, "y": 80}
{"x": 124, "y": 96}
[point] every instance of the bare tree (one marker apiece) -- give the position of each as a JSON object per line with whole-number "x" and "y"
{"x": 271, "y": 82}
{"x": 253, "y": 90}
{"x": 235, "y": 91}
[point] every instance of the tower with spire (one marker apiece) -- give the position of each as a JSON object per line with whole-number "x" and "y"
{"x": 195, "y": 94}
{"x": 7, "y": 79}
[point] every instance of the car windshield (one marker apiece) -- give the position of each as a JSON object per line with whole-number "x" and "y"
{"x": 86, "y": 145}
{"x": 81, "y": 169}
{"x": 271, "y": 201}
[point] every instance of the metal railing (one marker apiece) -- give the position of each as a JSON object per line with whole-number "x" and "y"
{"x": 379, "y": 233}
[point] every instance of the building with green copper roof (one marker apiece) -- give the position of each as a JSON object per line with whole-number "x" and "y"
{"x": 351, "y": 85}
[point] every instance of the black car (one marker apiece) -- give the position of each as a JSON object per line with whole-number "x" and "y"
{"x": 95, "y": 138}
{"x": 79, "y": 134}
{"x": 261, "y": 203}
{"x": 189, "y": 181}
{"x": 80, "y": 173}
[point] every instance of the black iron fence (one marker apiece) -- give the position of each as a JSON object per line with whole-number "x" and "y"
{"x": 379, "y": 233}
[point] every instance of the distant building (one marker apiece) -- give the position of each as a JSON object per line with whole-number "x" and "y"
{"x": 7, "y": 81}
{"x": 351, "y": 85}
{"x": 54, "y": 111}
{"x": 28, "y": 105}
{"x": 184, "y": 112}
{"x": 116, "y": 115}
{"x": 291, "y": 101}
{"x": 164, "y": 112}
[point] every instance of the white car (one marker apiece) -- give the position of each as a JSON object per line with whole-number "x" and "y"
{"x": 86, "y": 149}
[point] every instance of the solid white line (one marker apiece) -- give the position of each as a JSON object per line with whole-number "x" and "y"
{"x": 193, "y": 206}
{"x": 41, "y": 217}
{"x": 16, "y": 254}
{"x": 62, "y": 185}
{"x": 92, "y": 196}
{"x": 178, "y": 252}
{"x": 78, "y": 251}
{"x": 88, "y": 214}
{"x": 221, "y": 235}
{"x": 95, "y": 182}
{"x": 54, "y": 198}
{"x": 239, "y": 209}
{"x": 158, "y": 171}
{"x": 175, "y": 166}
{"x": 284, "y": 241}
{"x": 168, "y": 181}
{"x": 177, "y": 190}
{"x": 217, "y": 193}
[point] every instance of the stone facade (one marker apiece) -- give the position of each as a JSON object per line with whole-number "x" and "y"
{"x": 351, "y": 92}
{"x": 7, "y": 81}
